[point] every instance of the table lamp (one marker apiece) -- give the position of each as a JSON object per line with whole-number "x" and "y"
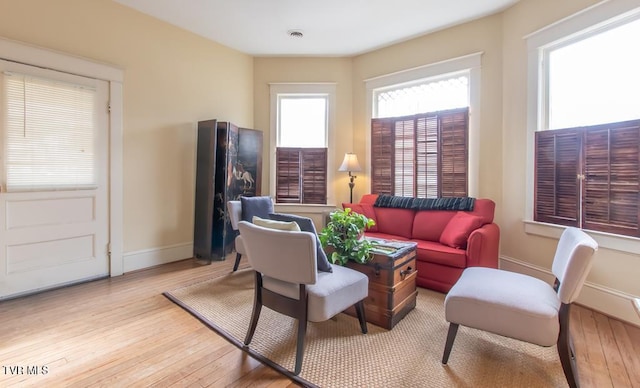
{"x": 350, "y": 163}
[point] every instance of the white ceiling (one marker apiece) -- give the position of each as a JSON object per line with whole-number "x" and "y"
{"x": 330, "y": 27}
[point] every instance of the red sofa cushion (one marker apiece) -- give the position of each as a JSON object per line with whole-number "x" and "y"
{"x": 429, "y": 224}
{"x": 369, "y": 198}
{"x": 398, "y": 222}
{"x": 485, "y": 209}
{"x": 366, "y": 209}
{"x": 434, "y": 252}
{"x": 457, "y": 231}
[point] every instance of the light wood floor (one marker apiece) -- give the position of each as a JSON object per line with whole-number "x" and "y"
{"x": 122, "y": 332}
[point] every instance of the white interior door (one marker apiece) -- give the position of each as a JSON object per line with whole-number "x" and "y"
{"x": 53, "y": 232}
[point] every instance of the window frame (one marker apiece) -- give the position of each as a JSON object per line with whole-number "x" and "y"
{"x": 470, "y": 63}
{"x": 327, "y": 89}
{"x": 592, "y": 21}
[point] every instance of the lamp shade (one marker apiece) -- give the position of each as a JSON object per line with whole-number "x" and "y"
{"x": 350, "y": 163}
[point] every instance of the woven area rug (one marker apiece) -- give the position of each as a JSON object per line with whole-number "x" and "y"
{"x": 337, "y": 354}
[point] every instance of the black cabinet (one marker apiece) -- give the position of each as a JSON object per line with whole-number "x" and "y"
{"x": 229, "y": 165}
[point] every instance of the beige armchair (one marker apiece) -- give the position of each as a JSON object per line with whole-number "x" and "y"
{"x": 287, "y": 281}
{"x": 235, "y": 215}
{"x": 523, "y": 307}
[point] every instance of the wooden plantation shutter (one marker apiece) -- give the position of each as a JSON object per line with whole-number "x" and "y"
{"x": 422, "y": 155}
{"x": 612, "y": 176}
{"x": 557, "y": 168}
{"x": 454, "y": 153}
{"x": 301, "y": 175}
{"x": 589, "y": 177}
{"x": 382, "y": 162}
{"x": 405, "y": 157}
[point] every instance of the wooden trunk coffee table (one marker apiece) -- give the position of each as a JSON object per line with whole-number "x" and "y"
{"x": 392, "y": 282}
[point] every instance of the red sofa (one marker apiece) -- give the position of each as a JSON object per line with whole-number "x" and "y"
{"x": 448, "y": 241}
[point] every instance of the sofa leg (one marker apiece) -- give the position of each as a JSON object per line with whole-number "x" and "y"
{"x": 451, "y": 336}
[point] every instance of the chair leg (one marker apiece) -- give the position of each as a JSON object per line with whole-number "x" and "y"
{"x": 451, "y": 336}
{"x": 237, "y": 263}
{"x": 257, "y": 307}
{"x": 302, "y": 331}
{"x": 565, "y": 348}
{"x": 361, "y": 317}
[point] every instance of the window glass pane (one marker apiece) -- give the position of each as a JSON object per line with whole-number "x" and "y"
{"x": 302, "y": 122}
{"x": 426, "y": 96}
{"x": 50, "y": 134}
{"x": 595, "y": 80}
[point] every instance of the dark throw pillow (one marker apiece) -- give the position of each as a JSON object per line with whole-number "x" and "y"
{"x": 256, "y": 206}
{"x": 306, "y": 225}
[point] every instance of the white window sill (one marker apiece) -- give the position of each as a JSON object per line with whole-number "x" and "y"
{"x": 296, "y": 208}
{"x": 605, "y": 240}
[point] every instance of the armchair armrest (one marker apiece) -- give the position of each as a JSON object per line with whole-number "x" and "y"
{"x": 483, "y": 246}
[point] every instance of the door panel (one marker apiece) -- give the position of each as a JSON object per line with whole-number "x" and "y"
{"x": 56, "y": 237}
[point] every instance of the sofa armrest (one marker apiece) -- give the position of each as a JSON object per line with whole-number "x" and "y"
{"x": 483, "y": 246}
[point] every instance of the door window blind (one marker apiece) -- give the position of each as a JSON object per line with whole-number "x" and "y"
{"x": 50, "y": 134}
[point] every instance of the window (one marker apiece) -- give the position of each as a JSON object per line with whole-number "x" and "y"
{"x": 422, "y": 154}
{"x": 587, "y": 144}
{"x": 49, "y": 134}
{"x": 302, "y": 126}
{"x": 424, "y": 138}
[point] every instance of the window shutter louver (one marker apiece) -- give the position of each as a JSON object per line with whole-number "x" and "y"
{"x": 301, "y": 175}
{"x": 288, "y": 179}
{"x": 422, "y": 155}
{"x": 453, "y": 153}
{"x": 405, "y": 158}
{"x": 427, "y": 129}
{"x": 557, "y": 168}
{"x": 382, "y": 166}
{"x": 612, "y": 176}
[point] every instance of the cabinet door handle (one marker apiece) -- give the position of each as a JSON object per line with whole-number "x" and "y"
{"x": 405, "y": 272}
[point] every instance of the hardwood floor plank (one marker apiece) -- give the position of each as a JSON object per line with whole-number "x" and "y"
{"x": 122, "y": 332}
{"x": 615, "y": 365}
{"x": 597, "y": 365}
{"x": 629, "y": 348}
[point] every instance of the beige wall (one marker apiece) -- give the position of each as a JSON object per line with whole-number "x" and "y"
{"x": 285, "y": 69}
{"x": 172, "y": 79}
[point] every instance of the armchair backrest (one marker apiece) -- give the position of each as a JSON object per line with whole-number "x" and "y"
{"x": 572, "y": 262}
{"x": 235, "y": 213}
{"x": 282, "y": 255}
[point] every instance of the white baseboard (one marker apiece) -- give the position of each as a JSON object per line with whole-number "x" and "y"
{"x": 146, "y": 258}
{"x": 606, "y": 300}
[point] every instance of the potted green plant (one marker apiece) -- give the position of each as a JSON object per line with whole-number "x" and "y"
{"x": 344, "y": 234}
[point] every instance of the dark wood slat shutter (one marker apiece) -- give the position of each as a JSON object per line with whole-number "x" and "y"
{"x": 612, "y": 175}
{"x": 454, "y": 153}
{"x": 301, "y": 175}
{"x": 288, "y": 188}
{"x": 382, "y": 160}
{"x": 556, "y": 182}
{"x": 405, "y": 157}
{"x": 423, "y": 155}
{"x": 314, "y": 175}
{"x": 427, "y": 161}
